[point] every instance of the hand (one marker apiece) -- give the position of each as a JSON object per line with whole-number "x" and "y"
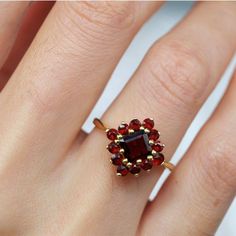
{"x": 56, "y": 180}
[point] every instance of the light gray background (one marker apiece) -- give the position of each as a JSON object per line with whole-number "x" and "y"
{"x": 159, "y": 24}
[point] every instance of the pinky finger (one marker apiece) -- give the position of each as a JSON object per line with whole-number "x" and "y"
{"x": 197, "y": 195}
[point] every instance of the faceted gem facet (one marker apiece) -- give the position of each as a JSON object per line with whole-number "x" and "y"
{"x": 146, "y": 165}
{"x": 158, "y": 147}
{"x": 135, "y": 170}
{"x": 113, "y": 148}
{"x": 136, "y": 145}
{"x": 134, "y": 124}
{"x": 123, "y": 129}
{"x": 112, "y": 134}
{"x": 116, "y": 159}
{"x": 158, "y": 159}
{"x": 148, "y": 123}
{"x": 122, "y": 170}
{"x": 154, "y": 135}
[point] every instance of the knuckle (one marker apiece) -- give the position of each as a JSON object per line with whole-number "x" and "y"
{"x": 38, "y": 100}
{"x": 179, "y": 71}
{"x": 218, "y": 163}
{"x": 104, "y": 16}
{"x": 41, "y": 100}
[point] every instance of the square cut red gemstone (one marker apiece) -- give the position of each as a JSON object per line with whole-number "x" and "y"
{"x": 136, "y": 145}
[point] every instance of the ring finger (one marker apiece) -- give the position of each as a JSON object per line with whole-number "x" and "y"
{"x": 175, "y": 78}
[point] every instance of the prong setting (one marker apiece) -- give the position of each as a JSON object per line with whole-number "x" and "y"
{"x": 125, "y": 161}
{"x": 154, "y": 152}
{"x": 122, "y": 151}
{"x": 147, "y": 131}
{"x": 119, "y": 136}
{"x": 142, "y": 128}
{"x": 129, "y": 164}
{"x": 135, "y": 147}
{"x": 131, "y": 131}
{"x": 151, "y": 142}
{"x": 139, "y": 161}
{"x": 117, "y": 141}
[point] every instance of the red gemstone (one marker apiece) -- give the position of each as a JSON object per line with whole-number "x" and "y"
{"x": 135, "y": 124}
{"x": 116, "y": 159}
{"x": 122, "y": 170}
{"x": 123, "y": 129}
{"x": 134, "y": 170}
{"x": 112, "y": 134}
{"x": 113, "y": 148}
{"x": 154, "y": 135}
{"x": 135, "y": 145}
{"x": 158, "y": 147}
{"x": 148, "y": 123}
{"x": 146, "y": 165}
{"x": 158, "y": 159}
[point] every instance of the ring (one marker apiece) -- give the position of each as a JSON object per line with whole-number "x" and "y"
{"x": 134, "y": 146}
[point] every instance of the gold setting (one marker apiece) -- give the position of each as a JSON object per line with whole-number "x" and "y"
{"x": 117, "y": 141}
{"x": 147, "y": 131}
{"x": 129, "y": 164}
{"x": 125, "y": 161}
{"x": 122, "y": 151}
{"x": 151, "y": 142}
{"x": 119, "y": 136}
{"x": 150, "y": 158}
{"x": 139, "y": 162}
{"x": 168, "y": 165}
{"x": 131, "y": 131}
{"x": 154, "y": 152}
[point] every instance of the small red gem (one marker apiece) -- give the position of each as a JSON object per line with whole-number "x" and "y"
{"x": 146, "y": 165}
{"x": 116, "y": 159}
{"x": 158, "y": 159}
{"x": 122, "y": 170}
{"x": 158, "y": 147}
{"x": 148, "y": 123}
{"x": 154, "y": 135}
{"x": 123, "y": 129}
{"x": 135, "y": 124}
{"x": 134, "y": 170}
{"x": 112, "y": 134}
{"x": 113, "y": 148}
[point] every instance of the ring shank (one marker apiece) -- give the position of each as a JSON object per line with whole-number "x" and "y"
{"x": 99, "y": 124}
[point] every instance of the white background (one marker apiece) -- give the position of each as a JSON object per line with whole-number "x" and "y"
{"x": 159, "y": 24}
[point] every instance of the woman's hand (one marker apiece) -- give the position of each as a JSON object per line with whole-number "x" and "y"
{"x": 56, "y": 181}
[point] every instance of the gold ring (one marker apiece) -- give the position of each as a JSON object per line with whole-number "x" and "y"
{"x": 135, "y": 146}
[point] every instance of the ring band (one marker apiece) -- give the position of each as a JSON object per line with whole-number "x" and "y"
{"x": 134, "y": 146}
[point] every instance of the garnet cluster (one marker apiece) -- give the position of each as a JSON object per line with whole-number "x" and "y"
{"x": 135, "y": 146}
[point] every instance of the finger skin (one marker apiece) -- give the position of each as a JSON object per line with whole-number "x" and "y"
{"x": 196, "y": 197}
{"x": 31, "y": 22}
{"x": 64, "y": 71}
{"x": 46, "y": 101}
{"x": 11, "y": 14}
{"x": 170, "y": 85}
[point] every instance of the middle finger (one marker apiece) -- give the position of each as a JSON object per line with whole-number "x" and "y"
{"x": 63, "y": 72}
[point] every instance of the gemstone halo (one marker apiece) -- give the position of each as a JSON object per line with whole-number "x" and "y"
{"x": 135, "y": 147}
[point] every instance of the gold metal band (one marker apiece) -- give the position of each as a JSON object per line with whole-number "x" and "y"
{"x": 100, "y": 125}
